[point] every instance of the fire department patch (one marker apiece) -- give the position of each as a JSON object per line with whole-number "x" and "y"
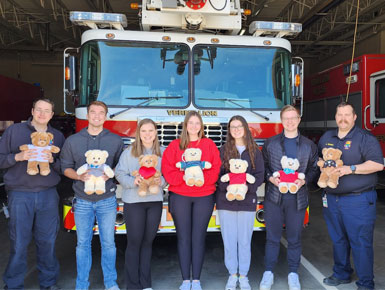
{"x": 347, "y": 145}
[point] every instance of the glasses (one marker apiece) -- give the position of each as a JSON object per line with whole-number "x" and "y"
{"x": 45, "y": 112}
{"x": 236, "y": 127}
{"x": 290, "y": 119}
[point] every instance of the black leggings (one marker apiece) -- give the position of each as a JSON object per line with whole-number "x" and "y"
{"x": 191, "y": 216}
{"x": 142, "y": 221}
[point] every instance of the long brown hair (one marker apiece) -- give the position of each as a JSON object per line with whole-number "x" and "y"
{"x": 184, "y": 137}
{"x": 231, "y": 150}
{"x": 137, "y": 146}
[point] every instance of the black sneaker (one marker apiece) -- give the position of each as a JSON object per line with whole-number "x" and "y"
{"x": 333, "y": 281}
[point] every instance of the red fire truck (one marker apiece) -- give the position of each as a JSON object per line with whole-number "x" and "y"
{"x": 324, "y": 90}
{"x": 189, "y": 57}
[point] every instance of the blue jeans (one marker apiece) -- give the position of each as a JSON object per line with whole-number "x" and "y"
{"x": 32, "y": 214}
{"x": 350, "y": 220}
{"x": 105, "y": 212}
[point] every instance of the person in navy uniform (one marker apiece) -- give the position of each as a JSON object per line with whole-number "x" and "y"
{"x": 350, "y": 209}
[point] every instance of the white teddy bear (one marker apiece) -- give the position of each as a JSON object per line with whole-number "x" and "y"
{"x": 96, "y": 168}
{"x": 288, "y": 175}
{"x": 193, "y": 167}
{"x": 237, "y": 179}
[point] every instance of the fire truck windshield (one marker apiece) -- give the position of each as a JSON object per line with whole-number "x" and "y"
{"x": 241, "y": 77}
{"x": 134, "y": 74}
{"x": 146, "y": 74}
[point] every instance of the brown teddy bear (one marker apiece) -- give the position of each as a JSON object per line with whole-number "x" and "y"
{"x": 288, "y": 175}
{"x": 331, "y": 160}
{"x": 40, "y": 142}
{"x": 149, "y": 172}
{"x": 237, "y": 179}
{"x": 96, "y": 167}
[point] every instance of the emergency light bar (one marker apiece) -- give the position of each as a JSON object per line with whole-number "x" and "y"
{"x": 278, "y": 29}
{"x": 93, "y": 19}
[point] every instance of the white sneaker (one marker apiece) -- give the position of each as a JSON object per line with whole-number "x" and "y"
{"x": 293, "y": 281}
{"x": 232, "y": 282}
{"x": 244, "y": 283}
{"x": 267, "y": 281}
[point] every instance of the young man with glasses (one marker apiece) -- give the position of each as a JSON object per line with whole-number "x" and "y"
{"x": 286, "y": 209}
{"x": 32, "y": 199}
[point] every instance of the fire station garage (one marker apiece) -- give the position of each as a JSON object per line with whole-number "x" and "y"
{"x": 160, "y": 59}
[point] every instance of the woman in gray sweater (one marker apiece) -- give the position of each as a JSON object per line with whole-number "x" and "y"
{"x": 141, "y": 213}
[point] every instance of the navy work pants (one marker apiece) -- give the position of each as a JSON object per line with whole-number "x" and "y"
{"x": 32, "y": 214}
{"x": 276, "y": 216}
{"x": 350, "y": 221}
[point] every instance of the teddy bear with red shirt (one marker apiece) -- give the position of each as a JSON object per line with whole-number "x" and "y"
{"x": 288, "y": 175}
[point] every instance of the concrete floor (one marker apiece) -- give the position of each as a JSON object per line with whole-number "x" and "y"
{"x": 315, "y": 265}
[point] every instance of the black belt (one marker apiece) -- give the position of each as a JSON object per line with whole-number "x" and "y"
{"x": 353, "y": 193}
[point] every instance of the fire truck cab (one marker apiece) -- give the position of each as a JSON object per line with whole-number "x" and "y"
{"x": 191, "y": 55}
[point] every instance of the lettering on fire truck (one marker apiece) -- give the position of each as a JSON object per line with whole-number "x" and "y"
{"x": 184, "y": 113}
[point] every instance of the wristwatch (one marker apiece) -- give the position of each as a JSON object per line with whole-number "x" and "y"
{"x": 353, "y": 168}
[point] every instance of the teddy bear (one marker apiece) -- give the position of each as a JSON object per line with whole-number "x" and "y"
{"x": 288, "y": 175}
{"x": 41, "y": 141}
{"x": 193, "y": 167}
{"x": 149, "y": 172}
{"x": 96, "y": 167}
{"x": 331, "y": 160}
{"x": 237, "y": 179}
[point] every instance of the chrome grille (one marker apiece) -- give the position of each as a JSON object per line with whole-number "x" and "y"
{"x": 170, "y": 131}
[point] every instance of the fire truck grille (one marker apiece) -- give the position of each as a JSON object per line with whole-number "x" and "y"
{"x": 170, "y": 131}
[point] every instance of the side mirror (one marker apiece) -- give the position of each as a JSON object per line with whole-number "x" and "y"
{"x": 297, "y": 74}
{"x": 71, "y": 76}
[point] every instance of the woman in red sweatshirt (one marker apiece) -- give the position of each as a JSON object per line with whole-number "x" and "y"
{"x": 191, "y": 206}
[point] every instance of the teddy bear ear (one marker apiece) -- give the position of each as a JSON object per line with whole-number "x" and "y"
{"x": 339, "y": 153}
{"x": 141, "y": 157}
{"x": 50, "y": 135}
{"x": 245, "y": 163}
{"x": 34, "y": 134}
{"x": 105, "y": 153}
{"x": 88, "y": 153}
{"x": 231, "y": 161}
{"x": 284, "y": 159}
{"x": 324, "y": 150}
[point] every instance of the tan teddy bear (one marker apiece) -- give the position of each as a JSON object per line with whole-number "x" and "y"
{"x": 288, "y": 175}
{"x": 96, "y": 169}
{"x": 40, "y": 142}
{"x": 149, "y": 172}
{"x": 331, "y": 160}
{"x": 237, "y": 179}
{"x": 193, "y": 167}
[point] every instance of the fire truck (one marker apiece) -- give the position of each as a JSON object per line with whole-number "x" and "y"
{"x": 324, "y": 90}
{"x": 190, "y": 55}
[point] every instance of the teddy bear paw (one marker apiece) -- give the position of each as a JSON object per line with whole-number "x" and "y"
{"x": 322, "y": 184}
{"x": 44, "y": 172}
{"x": 199, "y": 183}
{"x": 153, "y": 189}
{"x": 332, "y": 184}
{"x": 32, "y": 171}
{"x": 142, "y": 193}
{"x": 230, "y": 196}
{"x": 89, "y": 192}
{"x": 293, "y": 189}
{"x": 239, "y": 197}
{"x": 283, "y": 189}
{"x": 190, "y": 182}
{"x": 99, "y": 191}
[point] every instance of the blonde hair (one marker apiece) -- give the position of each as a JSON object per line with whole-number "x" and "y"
{"x": 184, "y": 137}
{"x": 137, "y": 146}
{"x": 288, "y": 108}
